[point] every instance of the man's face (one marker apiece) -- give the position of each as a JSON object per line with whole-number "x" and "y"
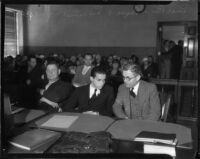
{"x": 130, "y": 79}
{"x": 52, "y": 72}
{"x": 98, "y": 81}
{"x": 32, "y": 62}
{"x": 88, "y": 60}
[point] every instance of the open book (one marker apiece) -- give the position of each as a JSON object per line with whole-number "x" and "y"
{"x": 156, "y": 137}
{"x": 33, "y": 139}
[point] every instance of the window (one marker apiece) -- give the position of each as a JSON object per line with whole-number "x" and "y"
{"x": 13, "y": 43}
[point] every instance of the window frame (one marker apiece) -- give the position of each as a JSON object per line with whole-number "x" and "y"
{"x": 19, "y": 31}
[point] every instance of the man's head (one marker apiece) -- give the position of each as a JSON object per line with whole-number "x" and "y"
{"x": 180, "y": 43}
{"x": 32, "y": 61}
{"x": 150, "y": 59}
{"x": 131, "y": 74}
{"x": 171, "y": 44}
{"x": 98, "y": 58}
{"x": 52, "y": 71}
{"x": 88, "y": 59}
{"x": 98, "y": 77}
{"x": 115, "y": 64}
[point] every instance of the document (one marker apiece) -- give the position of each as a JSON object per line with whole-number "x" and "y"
{"x": 32, "y": 139}
{"x": 60, "y": 121}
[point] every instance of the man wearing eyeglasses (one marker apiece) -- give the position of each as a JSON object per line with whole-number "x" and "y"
{"x": 136, "y": 99}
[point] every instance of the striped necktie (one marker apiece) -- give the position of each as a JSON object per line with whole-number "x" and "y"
{"x": 132, "y": 93}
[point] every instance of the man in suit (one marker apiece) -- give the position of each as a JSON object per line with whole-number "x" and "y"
{"x": 136, "y": 99}
{"x": 54, "y": 91}
{"x": 82, "y": 75}
{"x": 94, "y": 98}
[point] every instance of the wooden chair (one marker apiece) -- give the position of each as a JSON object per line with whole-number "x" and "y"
{"x": 165, "y": 103}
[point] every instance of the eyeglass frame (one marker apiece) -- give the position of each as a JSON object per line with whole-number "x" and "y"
{"x": 128, "y": 78}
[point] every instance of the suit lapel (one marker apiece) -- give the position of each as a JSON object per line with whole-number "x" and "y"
{"x": 87, "y": 92}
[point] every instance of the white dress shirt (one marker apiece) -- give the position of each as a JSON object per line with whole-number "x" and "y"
{"x": 135, "y": 89}
{"x": 92, "y": 89}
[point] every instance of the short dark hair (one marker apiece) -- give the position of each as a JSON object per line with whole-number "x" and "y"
{"x": 53, "y": 62}
{"x": 98, "y": 69}
{"x": 32, "y": 57}
{"x": 134, "y": 68}
{"x": 88, "y": 54}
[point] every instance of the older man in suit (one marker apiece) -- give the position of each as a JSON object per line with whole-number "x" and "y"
{"x": 94, "y": 98}
{"x": 136, "y": 99}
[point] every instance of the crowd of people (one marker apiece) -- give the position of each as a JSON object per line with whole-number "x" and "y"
{"x": 89, "y": 83}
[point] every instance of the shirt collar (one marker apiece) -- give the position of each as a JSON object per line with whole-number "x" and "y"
{"x": 135, "y": 88}
{"x": 92, "y": 91}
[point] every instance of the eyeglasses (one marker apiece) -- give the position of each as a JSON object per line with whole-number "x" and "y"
{"x": 128, "y": 78}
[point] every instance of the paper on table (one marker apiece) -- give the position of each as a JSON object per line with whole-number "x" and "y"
{"x": 60, "y": 121}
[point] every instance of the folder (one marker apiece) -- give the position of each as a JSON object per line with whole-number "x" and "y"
{"x": 33, "y": 139}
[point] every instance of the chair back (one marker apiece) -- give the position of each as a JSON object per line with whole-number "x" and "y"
{"x": 165, "y": 99}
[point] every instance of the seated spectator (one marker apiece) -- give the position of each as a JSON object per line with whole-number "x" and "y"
{"x": 55, "y": 91}
{"x": 123, "y": 61}
{"x": 149, "y": 68}
{"x": 70, "y": 72}
{"x": 73, "y": 59}
{"x": 82, "y": 75}
{"x": 94, "y": 98}
{"x": 153, "y": 66}
{"x": 30, "y": 79}
{"x": 136, "y": 99}
{"x": 115, "y": 76}
{"x": 98, "y": 60}
{"x": 145, "y": 69}
{"x": 134, "y": 59}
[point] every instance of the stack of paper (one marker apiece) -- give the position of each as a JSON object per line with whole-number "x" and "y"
{"x": 159, "y": 149}
{"x": 156, "y": 137}
{"x": 32, "y": 139}
{"x": 158, "y": 143}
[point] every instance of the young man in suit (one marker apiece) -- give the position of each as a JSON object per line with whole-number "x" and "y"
{"x": 94, "y": 98}
{"x": 136, "y": 99}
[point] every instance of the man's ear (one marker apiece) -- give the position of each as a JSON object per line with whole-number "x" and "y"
{"x": 138, "y": 77}
{"x": 59, "y": 71}
{"x": 91, "y": 78}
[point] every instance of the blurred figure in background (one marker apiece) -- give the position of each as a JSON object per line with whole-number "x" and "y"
{"x": 82, "y": 75}
{"x": 176, "y": 59}
{"x": 165, "y": 63}
{"x": 115, "y": 76}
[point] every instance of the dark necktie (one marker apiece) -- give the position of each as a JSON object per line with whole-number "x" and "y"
{"x": 94, "y": 95}
{"x": 132, "y": 93}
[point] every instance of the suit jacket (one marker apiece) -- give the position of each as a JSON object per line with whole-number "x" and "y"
{"x": 145, "y": 106}
{"x": 57, "y": 92}
{"x": 80, "y": 78}
{"x": 80, "y": 100}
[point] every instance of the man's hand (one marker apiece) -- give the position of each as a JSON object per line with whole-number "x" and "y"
{"x": 76, "y": 85}
{"x": 41, "y": 91}
{"x": 28, "y": 82}
{"x": 53, "y": 104}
